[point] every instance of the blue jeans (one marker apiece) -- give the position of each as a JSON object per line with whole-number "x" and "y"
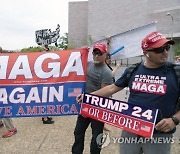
{"x": 79, "y": 134}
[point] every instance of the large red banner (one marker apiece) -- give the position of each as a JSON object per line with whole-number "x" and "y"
{"x": 42, "y": 83}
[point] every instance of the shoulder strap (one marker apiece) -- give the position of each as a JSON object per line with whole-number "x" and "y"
{"x": 176, "y": 68}
{"x": 131, "y": 69}
{"x": 177, "y": 72}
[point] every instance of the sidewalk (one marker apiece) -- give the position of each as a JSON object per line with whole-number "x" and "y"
{"x": 35, "y": 138}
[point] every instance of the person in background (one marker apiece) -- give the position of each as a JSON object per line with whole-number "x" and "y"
{"x": 46, "y": 119}
{"x": 177, "y": 59}
{"x": 98, "y": 76}
{"x": 8, "y": 123}
{"x": 108, "y": 57}
{"x": 108, "y": 63}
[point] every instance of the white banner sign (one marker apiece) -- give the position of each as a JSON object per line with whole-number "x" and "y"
{"x": 128, "y": 44}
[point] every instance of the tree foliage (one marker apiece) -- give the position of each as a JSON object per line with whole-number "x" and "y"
{"x": 32, "y": 49}
{"x": 177, "y": 50}
{"x": 63, "y": 42}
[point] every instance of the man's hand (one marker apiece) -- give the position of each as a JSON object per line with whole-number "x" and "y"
{"x": 165, "y": 125}
{"x": 79, "y": 98}
{"x": 108, "y": 39}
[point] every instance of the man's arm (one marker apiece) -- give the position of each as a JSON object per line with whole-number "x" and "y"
{"x": 107, "y": 91}
{"x": 104, "y": 85}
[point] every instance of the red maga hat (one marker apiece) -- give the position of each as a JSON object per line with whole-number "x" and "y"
{"x": 155, "y": 40}
{"x": 100, "y": 46}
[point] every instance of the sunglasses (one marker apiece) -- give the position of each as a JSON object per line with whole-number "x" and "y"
{"x": 97, "y": 53}
{"x": 160, "y": 50}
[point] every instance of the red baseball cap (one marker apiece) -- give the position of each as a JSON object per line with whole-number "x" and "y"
{"x": 100, "y": 46}
{"x": 155, "y": 40}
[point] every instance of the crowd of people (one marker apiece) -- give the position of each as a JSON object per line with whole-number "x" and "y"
{"x": 100, "y": 82}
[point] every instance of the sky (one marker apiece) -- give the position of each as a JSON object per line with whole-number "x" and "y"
{"x": 21, "y": 18}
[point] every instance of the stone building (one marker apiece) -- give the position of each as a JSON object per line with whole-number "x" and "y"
{"x": 93, "y": 20}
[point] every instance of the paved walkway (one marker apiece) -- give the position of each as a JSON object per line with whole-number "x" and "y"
{"x": 35, "y": 138}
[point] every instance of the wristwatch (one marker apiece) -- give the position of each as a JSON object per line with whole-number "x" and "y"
{"x": 175, "y": 120}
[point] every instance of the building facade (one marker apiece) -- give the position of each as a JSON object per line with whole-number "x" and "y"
{"x": 94, "y": 20}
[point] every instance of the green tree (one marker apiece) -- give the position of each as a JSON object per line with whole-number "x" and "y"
{"x": 32, "y": 49}
{"x": 63, "y": 42}
{"x": 90, "y": 39}
{"x": 177, "y": 50}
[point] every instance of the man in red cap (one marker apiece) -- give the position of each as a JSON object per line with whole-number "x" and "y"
{"x": 155, "y": 47}
{"x": 98, "y": 76}
{"x": 160, "y": 90}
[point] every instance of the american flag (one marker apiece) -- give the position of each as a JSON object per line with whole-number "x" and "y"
{"x": 73, "y": 92}
{"x": 85, "y": 109}
{"x": 145, "y": 128}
